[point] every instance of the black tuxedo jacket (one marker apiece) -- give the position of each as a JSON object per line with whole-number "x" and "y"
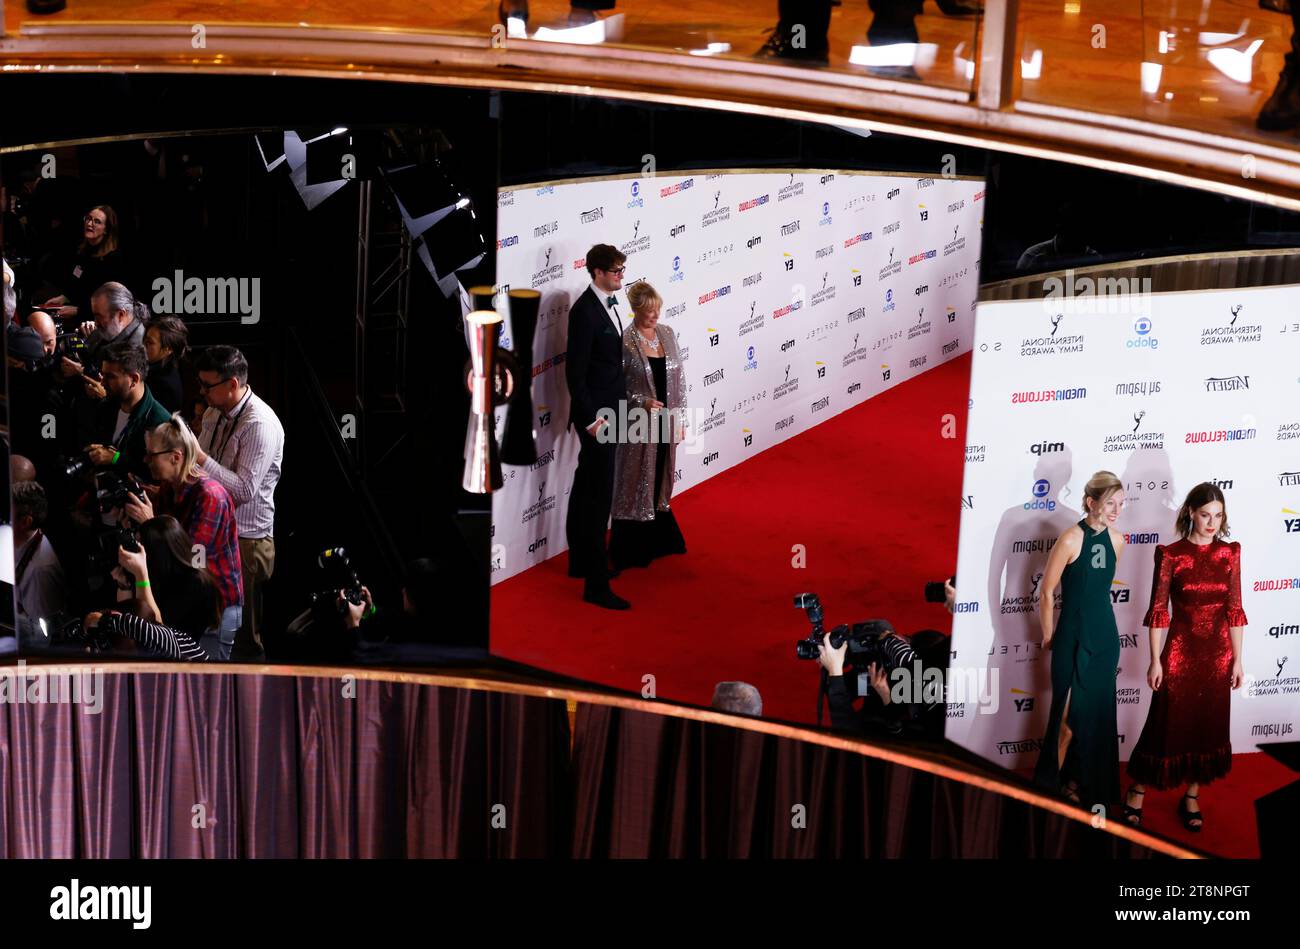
{"x": 593, "y": 367}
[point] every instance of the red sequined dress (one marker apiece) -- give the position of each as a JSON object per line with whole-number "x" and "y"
{"x": 1186, "y": 737}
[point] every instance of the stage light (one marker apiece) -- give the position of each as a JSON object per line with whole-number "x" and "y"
{"x": 482, "y": 459}
{"x": 295, "y": 151}
{"x": 270, "y": 145}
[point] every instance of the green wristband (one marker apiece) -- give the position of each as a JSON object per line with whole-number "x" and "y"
{"x": 373, "y": 610}
{"x": 141, "y": 584}
{"x": 116, "y": 455}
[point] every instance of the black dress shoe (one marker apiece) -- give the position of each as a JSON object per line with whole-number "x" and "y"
{"x": 960, "y": 7}
{"x": 606, "y": 598}
{"x": 1282, "y": 110}
{"x": 780, "y": 45}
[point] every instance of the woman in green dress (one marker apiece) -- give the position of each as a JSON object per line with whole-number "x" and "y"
{"x": 1080, "y": 753}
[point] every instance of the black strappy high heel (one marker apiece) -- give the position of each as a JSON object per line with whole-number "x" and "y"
{"x": 512, "y": 8}
{"x": 1133, "y": 814}
{"x": 1192, "y": 820}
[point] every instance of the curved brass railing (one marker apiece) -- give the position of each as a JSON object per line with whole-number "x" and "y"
{"x": 918, "y": 757}
{"x": 986, "y": 116}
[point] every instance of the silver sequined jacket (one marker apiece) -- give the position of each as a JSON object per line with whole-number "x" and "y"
{"x": 634, "y": 466}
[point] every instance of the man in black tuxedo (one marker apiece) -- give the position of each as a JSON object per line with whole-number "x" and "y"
{"x": 593, "y": 370}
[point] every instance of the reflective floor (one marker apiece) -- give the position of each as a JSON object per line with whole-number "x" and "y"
{"x": 1207, "y": 66}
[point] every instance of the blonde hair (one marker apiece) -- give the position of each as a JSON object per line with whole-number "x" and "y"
{"x": 175, "y": 435}
{"x": 1100, "y": 487}
{"x": 642, "y": 296}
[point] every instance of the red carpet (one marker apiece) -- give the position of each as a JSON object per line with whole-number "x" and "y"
{"x": 1228, "y": 827}
{"x": 872, "y": 495}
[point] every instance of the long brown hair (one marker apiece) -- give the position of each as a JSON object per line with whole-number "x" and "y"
{"x": 1204, "y": 493}
{"x": 109, "y": 243}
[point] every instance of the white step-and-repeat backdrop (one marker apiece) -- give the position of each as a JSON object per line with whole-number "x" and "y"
{"x": 794, "y": 296}
{"x": 1166, "y": 391}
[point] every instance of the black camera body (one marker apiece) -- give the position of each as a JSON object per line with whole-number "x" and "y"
{"x": 865, "y": 639}
{"x": 934, "y": 592}
{"x": 113, "y": 489}
{"x": 103, "y": 558}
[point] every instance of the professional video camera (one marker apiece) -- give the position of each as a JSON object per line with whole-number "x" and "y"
{"x": 865, "y": 639}
{"x": 337, "y": 565}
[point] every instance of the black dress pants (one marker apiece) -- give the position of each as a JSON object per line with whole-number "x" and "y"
{"x": 590, "y": 501}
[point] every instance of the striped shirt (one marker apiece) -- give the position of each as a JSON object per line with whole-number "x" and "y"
{"x": 172, "y": 643}
{"x": 244, "y": 452}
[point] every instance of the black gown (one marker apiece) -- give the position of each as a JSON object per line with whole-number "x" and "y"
{"x": 636, "y": 543}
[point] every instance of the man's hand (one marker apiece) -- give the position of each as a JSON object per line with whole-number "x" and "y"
{"x": 86, "y": 328}
{"x": 91, "y": 620}
{"x": 101, "y": 454}
{"x": 353, "y": 613}
{"x": 654, "y": 404}
{"x": 832, "y": 659}
{"x": 94, "y": 388}
{"x": 949, "y": 596}
{"x": 596, "y": 426}
{"x": 69, "y": 368}
{"x": 139, "y": 510}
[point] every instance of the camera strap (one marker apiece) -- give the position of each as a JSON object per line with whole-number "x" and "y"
{"x": 33, "y": 544}
{"x": 229, "y": 429}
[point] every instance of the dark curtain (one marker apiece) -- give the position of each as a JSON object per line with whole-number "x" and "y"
{"x": 190, "y": 765}
{"x": 653, "y": 786}
{"x": 197, "y": 765}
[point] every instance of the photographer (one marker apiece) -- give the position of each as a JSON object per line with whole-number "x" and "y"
{"x": 131, "y": 410}
{"x": 167, "y": 589}
{"x": 166, "y": 339}
{"x": 154, "y": 637}
{"x": 203, "y": 507}
{"x": 429, "y": 589}
{"x": 924, "y": 655}
{"x": 878, "y": 709}
{"x": 40, "y": 586}
{"x": 118, "y": 318}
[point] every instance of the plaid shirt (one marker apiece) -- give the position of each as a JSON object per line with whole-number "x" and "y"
{"x": 206, "y": 512}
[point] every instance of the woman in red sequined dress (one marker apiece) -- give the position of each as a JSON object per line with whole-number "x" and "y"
{"x": 1186, "y": 737}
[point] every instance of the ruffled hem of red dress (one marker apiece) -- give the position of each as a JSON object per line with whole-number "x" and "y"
{"x": 1236, "y": 618}
{"x": 1174, "y": 771}
{"x": 1157, "y": 619}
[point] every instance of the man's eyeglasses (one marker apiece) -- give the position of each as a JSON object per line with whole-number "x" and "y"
{"x": 206, "y": 386}
{"x": 617, "y": 271}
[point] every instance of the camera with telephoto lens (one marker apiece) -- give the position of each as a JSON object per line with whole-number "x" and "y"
{"x": 335, "y": 561}
{"x": 72, "y": 345}
{"x": 76, "y": 466}
{"x": 865, "y": 639}
{"x": 934, "y": 592}
{"x": 113, "y": 489}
